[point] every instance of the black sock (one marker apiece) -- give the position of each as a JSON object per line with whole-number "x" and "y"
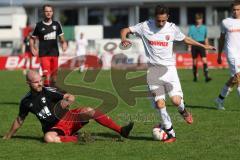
{"x": 221, "y": 97}
{"x": 195, "y": 71}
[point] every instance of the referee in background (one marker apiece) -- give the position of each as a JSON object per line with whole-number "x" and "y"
{"x": 198, "y": 32}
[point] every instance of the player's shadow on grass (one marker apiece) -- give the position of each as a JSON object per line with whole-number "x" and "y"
{"x": 141, "y": 138}
{"x": 9, "y": 103}
{"x": 200, "y": 107}
{"x": 40, "y": 139}
{"x": 107, "y": 136}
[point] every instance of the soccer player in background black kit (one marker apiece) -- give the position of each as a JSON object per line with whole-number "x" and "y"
{"x": 58, "y": 123}
{"x": 47, "y": 32}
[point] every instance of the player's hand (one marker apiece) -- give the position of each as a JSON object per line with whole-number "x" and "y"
{"x": 65, "y": 103}
{"x": 219, "y": 60}
{"x": 64, "y": 46}
{"x": 209, "y": 47}
{"x": 34, "y": 51}
{"x": 125, "y": 44}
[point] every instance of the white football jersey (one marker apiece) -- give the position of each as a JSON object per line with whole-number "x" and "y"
{"x": 231, "y": 28}
{"x": 158, "y": 42}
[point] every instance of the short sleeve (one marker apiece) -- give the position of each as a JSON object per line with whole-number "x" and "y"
{"x": 206, "y": 32}
{"x": 190, "y": 31}
{"x": 36, "y": 31}
{"x": 223, "y": 28}
{"x": 178, "y": 35}
{"x": 59, "y": 30}
{"x": 23, "y": 110}
{"x": 137, "y": 28}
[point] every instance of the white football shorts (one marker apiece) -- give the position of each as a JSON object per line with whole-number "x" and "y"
{"x": 164, "y": 80}
{"x": 234, "y": 65}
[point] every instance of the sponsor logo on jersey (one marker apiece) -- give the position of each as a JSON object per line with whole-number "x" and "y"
{"x": 50, "y": 36}
{"x": 44, "y": 113}
{"x": 43, "y": 29}
{"x": 54, "y": 27}
{"x": 158, "y": 43}
{"x": 43, "y": 99}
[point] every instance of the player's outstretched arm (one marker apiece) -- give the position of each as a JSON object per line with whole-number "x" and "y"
{"x": 63, "y": 43}
{"x": 33, "y": 48}
{"x": 15, "y": 126}
{"x": 124, "y": 32}
{"x": 190, "y": 41}
{"x": 220, "y": 47}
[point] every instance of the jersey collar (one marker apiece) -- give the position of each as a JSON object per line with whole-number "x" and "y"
{"x": 47, "y": 23}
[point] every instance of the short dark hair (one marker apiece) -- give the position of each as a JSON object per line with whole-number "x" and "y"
{"x": 235, "y": 3}
{"x": 161, "y": 9}
{"x": 47, "y": 5}
{"x": 199, "y": 16}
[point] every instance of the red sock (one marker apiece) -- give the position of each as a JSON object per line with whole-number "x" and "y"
{"x": 106, "y": 121}
{"x": 46, "y": 83}
{"x": 68, "y": 138}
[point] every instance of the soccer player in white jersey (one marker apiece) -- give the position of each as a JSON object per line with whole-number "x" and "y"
{"x": 158, "y": 36}
{"x": 229, "y": 40}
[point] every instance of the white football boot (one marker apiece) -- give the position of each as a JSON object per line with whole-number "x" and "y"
{"x": 219, "y": 104}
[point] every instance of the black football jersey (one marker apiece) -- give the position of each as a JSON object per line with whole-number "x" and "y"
{"x": 48, "y": 37}
{"x": 43, "y": 105}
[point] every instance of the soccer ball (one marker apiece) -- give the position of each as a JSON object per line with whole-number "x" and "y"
{"x": 159, "y": 134}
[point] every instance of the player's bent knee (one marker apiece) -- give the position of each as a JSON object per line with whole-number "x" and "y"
{"x": 88, "y": 111}
{"x": 235, "y": 79}
{"x": 160, "y": 103}
{"x": 51, "y": 137}
{"x": 176, "y": 100}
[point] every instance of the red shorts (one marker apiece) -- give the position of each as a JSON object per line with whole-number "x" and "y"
{"x": 28, "y": 55}
{"x": 49, "y": 65}
{"x": 70, "y": 123}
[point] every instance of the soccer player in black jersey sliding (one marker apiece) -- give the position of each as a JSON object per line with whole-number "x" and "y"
{"x": 59, "y": 124}
{"x": 47, "y": 32}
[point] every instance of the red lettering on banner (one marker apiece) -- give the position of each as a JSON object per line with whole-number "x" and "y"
{"x": 182, "y": 61}
{"x": 185, "y": 61}
{"x": 12, "y": 62}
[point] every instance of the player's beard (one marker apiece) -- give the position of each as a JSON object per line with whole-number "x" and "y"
{"x": 38, "y": 88}
{"x": 47, "y": 19}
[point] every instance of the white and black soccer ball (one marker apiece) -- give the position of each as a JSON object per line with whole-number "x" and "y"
{"x": 159, "y": 134}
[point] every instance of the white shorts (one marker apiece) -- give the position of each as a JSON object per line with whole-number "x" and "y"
{"x": 234, "y": 65}
{"x": 164, "y": 80}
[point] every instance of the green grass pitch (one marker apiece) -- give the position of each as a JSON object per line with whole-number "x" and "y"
{"x": 214, "y": 134}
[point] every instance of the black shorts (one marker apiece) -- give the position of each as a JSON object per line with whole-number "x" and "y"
{"x": 198, "y": 51}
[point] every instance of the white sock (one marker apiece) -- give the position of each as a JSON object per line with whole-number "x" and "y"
{"x": 82, "y": 67}
{"x": 166, "y": 120}
{"x": 181, "y": 107}
{"x": 238, "y": 90}
{"x": 225, "y": 91}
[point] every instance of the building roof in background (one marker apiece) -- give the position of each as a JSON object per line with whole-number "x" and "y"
{"x": 99, "y": 2}
{"x": 12, "y": 10}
